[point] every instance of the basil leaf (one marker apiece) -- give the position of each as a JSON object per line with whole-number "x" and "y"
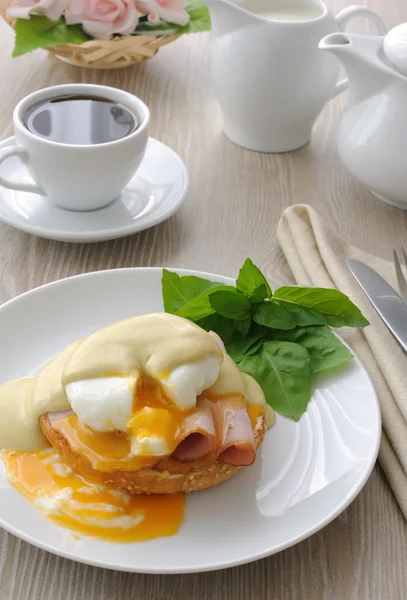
{"x": 230, "y": 303}
{"x": 178, "y": 291}
{"x": 283, "y": 371}
{"x": 173, "y": 295}
{"x": 221, "y": 325}
{"x": 243, "y": 326}
{"x": 325, "y": 349}
{"x": 320, "y": 306}
{"x": 200, "y": 21}
{"x": 201, "y": 307}
{"x": 252, "y": 282}
{"x": 260, "y": 293}
{"x": 247, "y": 347}
{"x": 274, "y": 315}
{"x": 259, "y": 330}
{"x": 40, "y": 32}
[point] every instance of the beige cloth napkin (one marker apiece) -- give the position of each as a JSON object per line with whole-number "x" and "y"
{"x": 316, "y": 256}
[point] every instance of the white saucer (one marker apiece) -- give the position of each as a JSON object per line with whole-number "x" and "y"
{"x": 155, "y": 193}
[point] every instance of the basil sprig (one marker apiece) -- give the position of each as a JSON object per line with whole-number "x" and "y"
{"x": 278, "y": 338}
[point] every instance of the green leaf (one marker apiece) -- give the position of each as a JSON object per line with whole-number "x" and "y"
{"x": 247, "y": 347}
{"x": 40, "y": 32}
{"x": 178, "y": 291}
{"x": 242, "y": 326}
{"x": 196, "y": 309}
{"x": 260, "y": 293}
{"x": 274, "y": 315}
{"x": 324, "y": 347}
{"x": 259, "y": 330}
{"x": 252, "y": 282}
{"x": 221, "y": 325}
{"x": 280, "y": 340}
{"x": 283, "y": 371}
{"x": 320, "y": 306}
{"x": 173, "y": 294}
{"x": 200, "y": 21}
{"x": 201, "y": 307}
{"x": 230, "y": 303}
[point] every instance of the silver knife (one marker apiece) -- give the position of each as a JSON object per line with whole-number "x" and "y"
{"x": 384, "y": 298}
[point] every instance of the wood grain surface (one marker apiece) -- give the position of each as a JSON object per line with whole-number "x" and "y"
{"x": 235, "y": 201}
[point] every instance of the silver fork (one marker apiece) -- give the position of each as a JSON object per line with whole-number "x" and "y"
{"x": 399, "y": 272}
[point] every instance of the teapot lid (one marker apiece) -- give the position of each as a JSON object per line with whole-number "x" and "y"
{"x": 395, "y": 47}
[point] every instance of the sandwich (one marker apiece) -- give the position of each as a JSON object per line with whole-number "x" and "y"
{"x": 148, "y": 405}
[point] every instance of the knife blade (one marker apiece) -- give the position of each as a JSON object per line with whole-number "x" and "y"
{"x": 384, "y": 298}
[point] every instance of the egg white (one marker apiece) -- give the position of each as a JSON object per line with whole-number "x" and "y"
{"x": 103, "y": 404}
{"x": 187, "y": 382}
{"x": 106, "y": 403}
{"x": 61, "y": 504}
{"x": 152, "y": 445}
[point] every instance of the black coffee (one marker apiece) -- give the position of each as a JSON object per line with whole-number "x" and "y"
{"x": 80, "y": 120}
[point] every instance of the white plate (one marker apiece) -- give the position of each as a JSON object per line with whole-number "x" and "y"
{"x": 155, "y": 193}
{"x": 305, "y": 475}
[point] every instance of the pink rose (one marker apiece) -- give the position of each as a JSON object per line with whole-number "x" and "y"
{"x": 22, "y": 9}
{"x": 102, "y": 18}
{"x": 165, "y": 10}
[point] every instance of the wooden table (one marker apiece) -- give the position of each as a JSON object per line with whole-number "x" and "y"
{"x": 235, "y": 201}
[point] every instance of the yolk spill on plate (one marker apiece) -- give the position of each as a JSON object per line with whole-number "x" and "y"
{"x": 66, "y": 499}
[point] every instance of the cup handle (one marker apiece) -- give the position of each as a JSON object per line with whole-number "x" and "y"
{"x": 343, "y": 19}
{"x": 15, "y": 185}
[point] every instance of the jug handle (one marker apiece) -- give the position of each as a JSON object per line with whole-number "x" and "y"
{"x": 343, "y": 19}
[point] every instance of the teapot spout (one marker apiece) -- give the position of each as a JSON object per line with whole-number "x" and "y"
{"x": 359, "y": 55}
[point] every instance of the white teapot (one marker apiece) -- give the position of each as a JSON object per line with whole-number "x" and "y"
{"x": 270, "y": 78}
{"x": 372, "y": 132}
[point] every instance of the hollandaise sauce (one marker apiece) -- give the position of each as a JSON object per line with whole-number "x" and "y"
{"x": 156, "y": 345}
{"x": 89, "y": 509}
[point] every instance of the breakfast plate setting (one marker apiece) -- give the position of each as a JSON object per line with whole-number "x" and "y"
{"x": 307, "y": 470}
{"x": 163, "y": 420}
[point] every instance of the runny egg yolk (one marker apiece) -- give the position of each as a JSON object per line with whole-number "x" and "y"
{"x": 150, "y": 425}
{"x": 66, "y": 499}
{"x": 155, "y": 426}
{"x": 154, "y": 418}
{"x": 255, "y": 411}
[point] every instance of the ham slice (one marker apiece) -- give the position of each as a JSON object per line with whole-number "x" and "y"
{"x": 213, "y": 430}
{"x": 198, "y": 438}
{"x": 106, "y": 452}
{"x": 235, "y": 433}
{"x": 197, "y": 442}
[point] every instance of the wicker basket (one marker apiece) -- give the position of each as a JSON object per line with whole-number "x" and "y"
{"x": 112, "y": 54}
{"x": 115, "y": 53}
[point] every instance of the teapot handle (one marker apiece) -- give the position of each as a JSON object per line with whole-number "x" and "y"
{"x": 343, "y": 19}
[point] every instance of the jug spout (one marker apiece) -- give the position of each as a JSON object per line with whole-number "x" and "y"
{"x": 359, "y": 55}
{"x": 226, "y": 16}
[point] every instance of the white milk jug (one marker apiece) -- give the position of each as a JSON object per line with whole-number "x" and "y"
{"x": 270, "y": 78}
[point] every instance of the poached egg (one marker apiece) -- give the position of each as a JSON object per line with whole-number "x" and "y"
{"x": 149, "y": 410}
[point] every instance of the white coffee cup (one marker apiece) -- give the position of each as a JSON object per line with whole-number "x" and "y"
{"x": 71, "y": 176}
